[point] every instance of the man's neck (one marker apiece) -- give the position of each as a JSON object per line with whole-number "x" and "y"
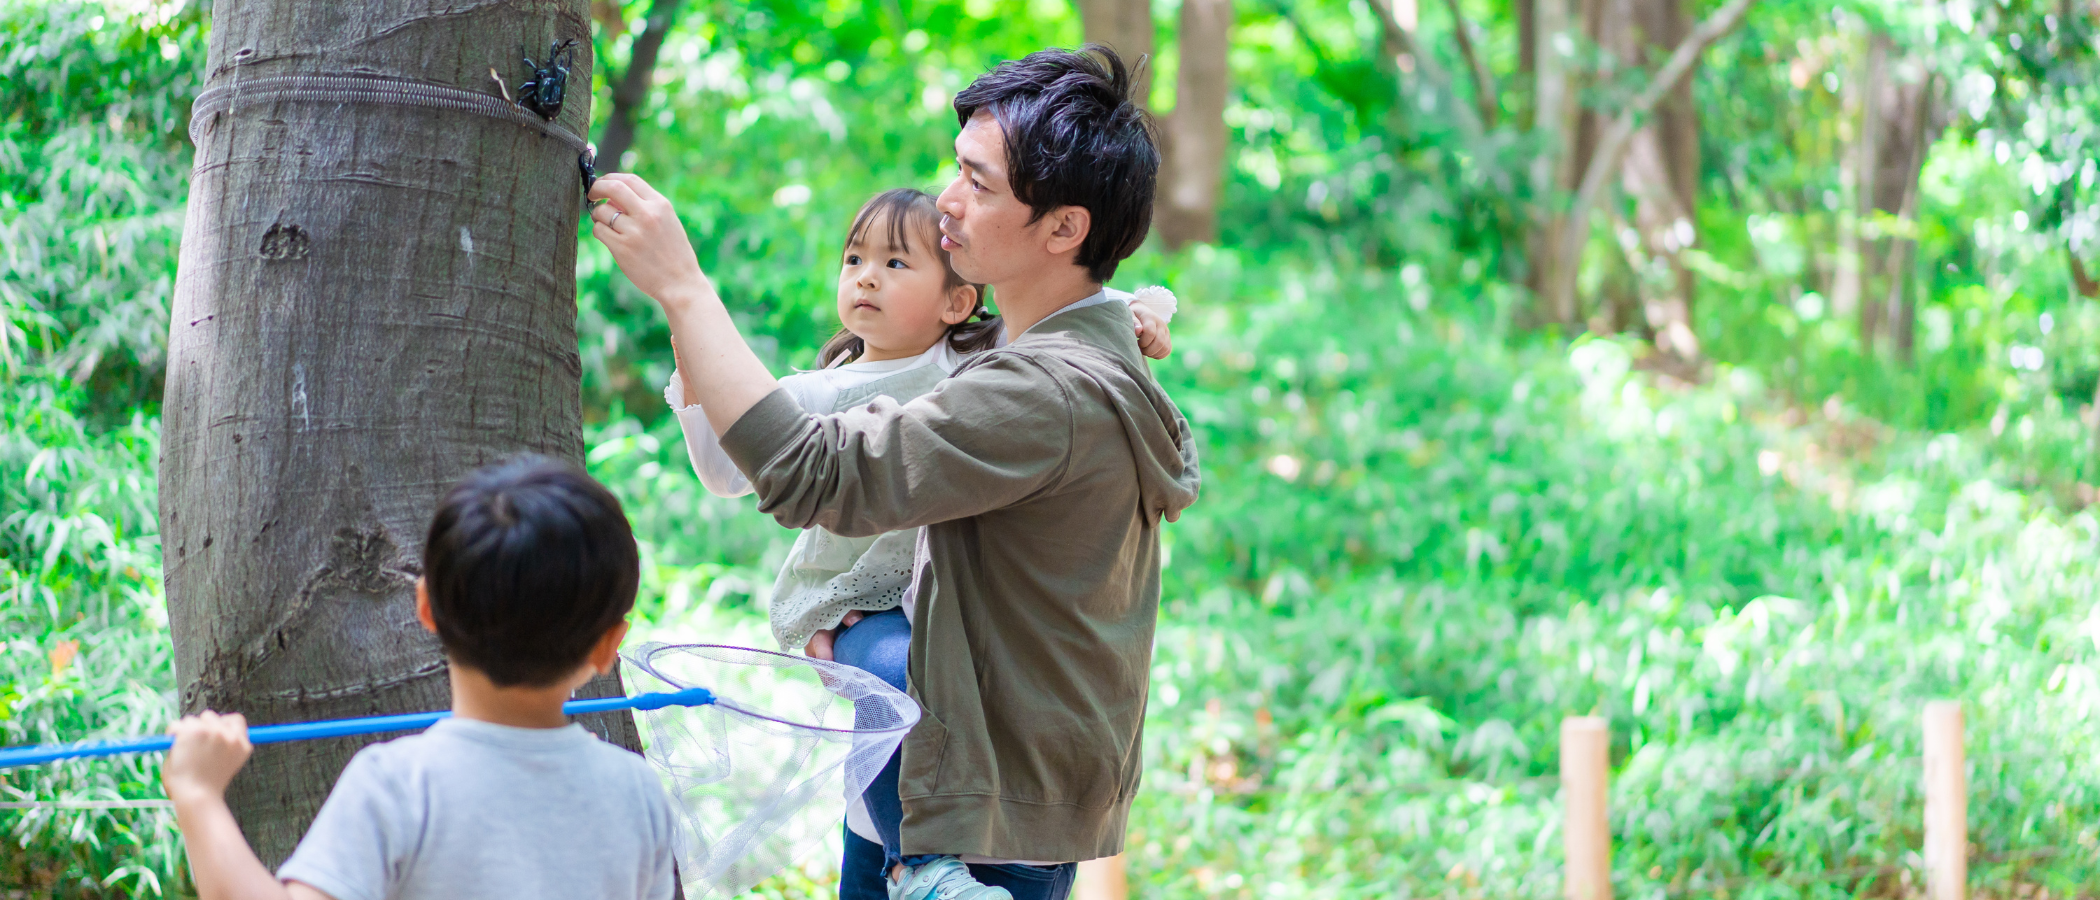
{"x": 1025, "y": 301}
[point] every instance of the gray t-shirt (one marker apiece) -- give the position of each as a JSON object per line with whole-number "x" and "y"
{"x": 472, "y": 809}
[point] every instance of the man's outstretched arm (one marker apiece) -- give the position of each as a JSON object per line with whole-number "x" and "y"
{"x": 648, "y": 241}
{"x": 986, "y": 439}
{"x": 976, "y": 444}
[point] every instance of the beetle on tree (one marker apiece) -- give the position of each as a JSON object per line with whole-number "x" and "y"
{"x": 543, "y": 94}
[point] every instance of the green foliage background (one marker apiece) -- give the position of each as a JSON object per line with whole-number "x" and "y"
{"x": 1425, "y": 537}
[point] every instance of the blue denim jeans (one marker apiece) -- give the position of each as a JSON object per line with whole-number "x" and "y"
{"x": 880, "y": 645}
{"x": 863, "y": 875}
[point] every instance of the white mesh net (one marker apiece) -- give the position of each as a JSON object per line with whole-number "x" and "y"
{"x": 786, "y": 735}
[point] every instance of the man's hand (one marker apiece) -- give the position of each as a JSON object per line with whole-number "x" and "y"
{"x": 643, "y": 232}
{"x": 646, "y": 238}
{"x": 209, "y": 749}
{"x": 1153, "y": 338}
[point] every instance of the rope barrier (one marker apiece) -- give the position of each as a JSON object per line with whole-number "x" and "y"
{"x": 366, "y": 89}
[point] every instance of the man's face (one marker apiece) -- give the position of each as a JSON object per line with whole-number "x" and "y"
{"x": 984, "y": 227}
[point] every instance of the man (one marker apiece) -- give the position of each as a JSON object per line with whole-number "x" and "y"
{"x": 1042, "y": 471}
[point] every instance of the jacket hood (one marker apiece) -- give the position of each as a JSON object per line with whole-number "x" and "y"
{"x": 1099, "y": 343}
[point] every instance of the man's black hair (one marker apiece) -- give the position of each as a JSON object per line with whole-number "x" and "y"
{"x": 529, "y": 563}
{"x": 1074, "y": 137}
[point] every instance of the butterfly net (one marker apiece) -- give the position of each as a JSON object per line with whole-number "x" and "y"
{"x": 767, "y": 769}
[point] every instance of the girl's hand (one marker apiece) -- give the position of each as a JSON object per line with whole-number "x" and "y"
{"x": 1153, "y": 338}
{"x": 646, "y": 238}
{"x": 209, "y": 749}
{"x": 820, "y": 644}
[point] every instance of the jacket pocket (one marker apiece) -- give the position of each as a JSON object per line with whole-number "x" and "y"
{"x": 923, "y": 750}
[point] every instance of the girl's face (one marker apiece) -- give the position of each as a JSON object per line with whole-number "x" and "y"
{"x": 897, "y": 299}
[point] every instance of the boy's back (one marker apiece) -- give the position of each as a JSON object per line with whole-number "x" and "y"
{"x": 474, "y": 809}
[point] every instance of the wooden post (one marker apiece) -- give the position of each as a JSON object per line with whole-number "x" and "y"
{"x": 1103, "y": 879}
{"x": 1585, "y": 755}
{"x": 1946, "y": 803}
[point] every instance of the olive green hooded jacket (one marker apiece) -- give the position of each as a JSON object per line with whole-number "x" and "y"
{"x": 1042, "y": 471}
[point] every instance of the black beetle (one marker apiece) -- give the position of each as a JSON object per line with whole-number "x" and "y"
{"x": 543, "y": 94}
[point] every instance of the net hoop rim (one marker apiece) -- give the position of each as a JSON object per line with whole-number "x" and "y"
{"x": 644, "y": 658}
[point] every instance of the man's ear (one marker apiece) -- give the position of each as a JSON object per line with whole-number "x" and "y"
{"x": 1068, "y": 228}
{"x": 607, "y": 651}
{"x": 962, "y": 302}
{"x": 423, "y": 606}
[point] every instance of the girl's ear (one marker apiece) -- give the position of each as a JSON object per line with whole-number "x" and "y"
{"x": 962, "y": 304}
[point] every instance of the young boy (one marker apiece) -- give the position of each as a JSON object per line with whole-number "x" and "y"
{"x": 529, "y": 575}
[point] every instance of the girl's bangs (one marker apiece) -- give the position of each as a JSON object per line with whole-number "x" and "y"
{"x": 904, "y": 213}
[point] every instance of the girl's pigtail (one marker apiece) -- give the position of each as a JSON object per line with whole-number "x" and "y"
{"x": 981, "y": 332}
{"x": 843, "y": 347}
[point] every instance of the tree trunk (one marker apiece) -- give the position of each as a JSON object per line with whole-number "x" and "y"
{"x": 1126, "y": 27}
{"x": 1664, "y": 25}
{"x": 1196, "y": 136}
{"x": 1664, "y": 225}
{"x": 373, "y": 298}
{"x": 1612, "y": 144}
{"x": 1855, "y": 188}
{"x": 1553, "y": 112}
{"x": 1527, "y": 36}
{"x": 633, "y": 89}
{"x": 1661, "y": 175}
{"x": 1879, "y": 123}
{"x": 1601, "y": 24}
{"x": 1484, "y": 94}
{"x": 1903, "y": 99}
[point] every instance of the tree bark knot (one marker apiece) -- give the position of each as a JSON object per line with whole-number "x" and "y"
{"x": 285, "y": 242}
{"x": 361, "y": 562}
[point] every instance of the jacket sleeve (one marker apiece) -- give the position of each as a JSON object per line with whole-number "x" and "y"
{"x": 986, "y": 439}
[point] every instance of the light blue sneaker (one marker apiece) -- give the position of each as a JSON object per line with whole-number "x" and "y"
{"x": 944, "y": 879}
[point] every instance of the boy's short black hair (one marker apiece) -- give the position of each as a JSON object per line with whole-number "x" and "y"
{"x": 529, "y": 563}
{"x": 1075, "y": 137}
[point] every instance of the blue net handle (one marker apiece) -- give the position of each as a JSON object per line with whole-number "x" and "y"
{"x": 304, "y": 731}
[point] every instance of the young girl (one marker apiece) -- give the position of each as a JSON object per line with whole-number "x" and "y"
{"x": 907, "y": 321}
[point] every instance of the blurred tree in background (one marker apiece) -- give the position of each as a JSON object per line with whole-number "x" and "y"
{"x": 1809, "y": 440}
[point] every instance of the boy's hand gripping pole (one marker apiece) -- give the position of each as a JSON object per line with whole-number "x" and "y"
{"x": 31, "y": 755}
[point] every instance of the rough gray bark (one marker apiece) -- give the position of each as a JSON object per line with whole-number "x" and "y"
{"x": 371, "y": 301}
{"x": 633, "y": 89}
{"x": 1196, "y": 136}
